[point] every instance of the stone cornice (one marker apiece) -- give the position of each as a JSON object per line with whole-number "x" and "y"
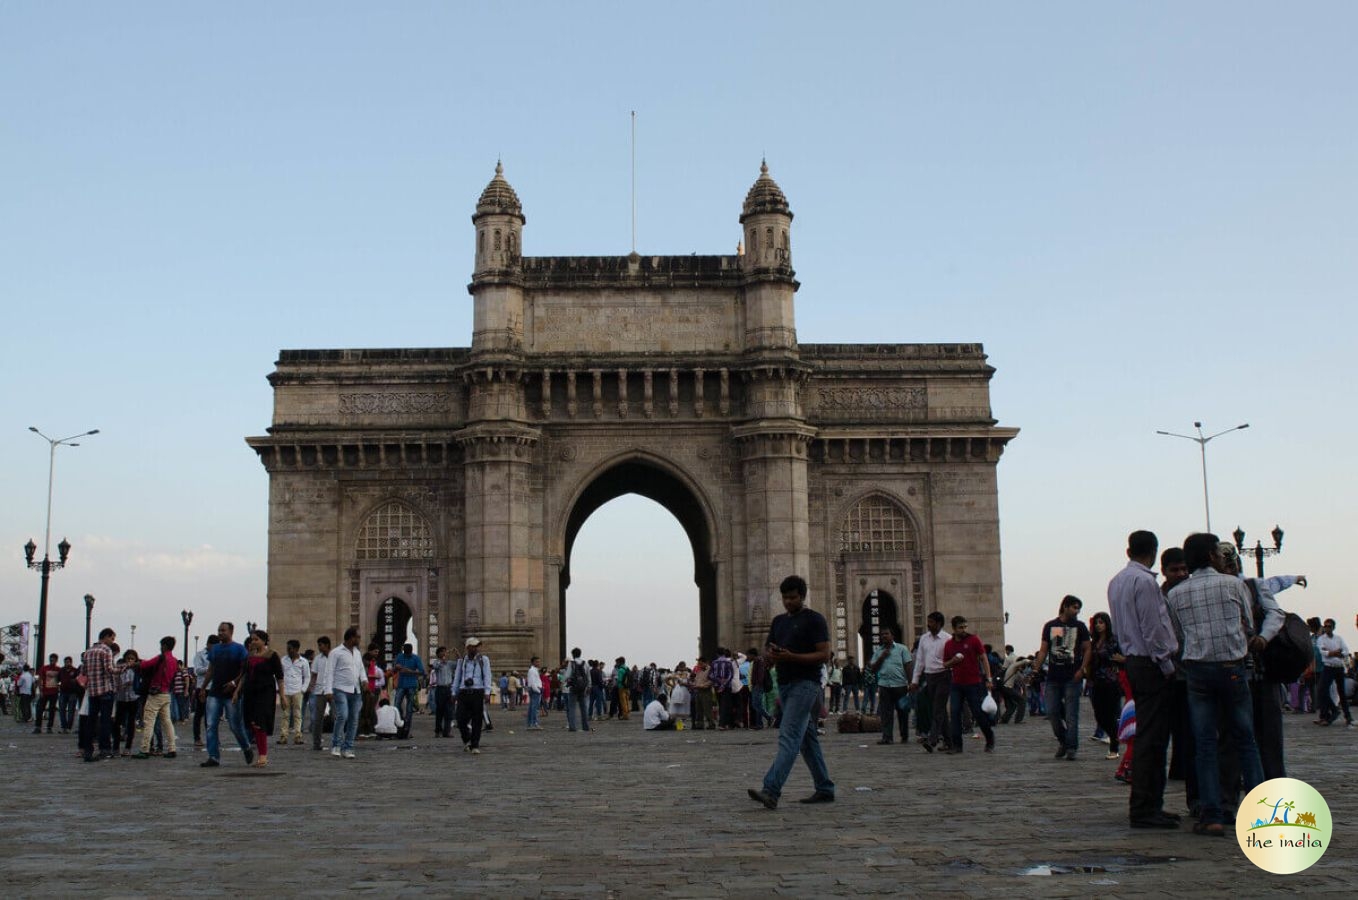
{"x": 285, "y": 450}
{"x": 837, "y": 446}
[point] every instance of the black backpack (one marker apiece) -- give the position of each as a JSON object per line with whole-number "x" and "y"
{"x": 1289, "y": 652}
{"x": 578, "y": 680}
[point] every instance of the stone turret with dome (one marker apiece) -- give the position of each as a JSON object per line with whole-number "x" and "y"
{"x": 767, "y": 220}
{"x": 499, "y": 222}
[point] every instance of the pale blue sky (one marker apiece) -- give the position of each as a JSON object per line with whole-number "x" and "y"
{"x": 1146, "y": 214}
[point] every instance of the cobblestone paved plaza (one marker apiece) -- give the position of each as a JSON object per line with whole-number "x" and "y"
{"x": 624, "y": 813}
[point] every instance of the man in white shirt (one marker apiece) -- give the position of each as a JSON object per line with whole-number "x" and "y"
{"x": 934, "y": 680}
{"x": 534, "y": 694}
{"x": 389, "y": 721}
{"x": 296, "y": 678}
{"x": 320, "y": 689}
{"x": 200, "y": 668}
{"x": 474, "y": 684}
{"x": 1333, "y": 653}
{"x": 348, "y": 682}
{"x": 656, "y": 716}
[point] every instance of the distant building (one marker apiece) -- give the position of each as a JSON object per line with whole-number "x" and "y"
{"x": 444, "y": 488}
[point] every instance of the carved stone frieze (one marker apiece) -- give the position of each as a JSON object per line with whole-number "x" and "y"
{"x": 404, "y": 403}
{"x": 837, "y": 401}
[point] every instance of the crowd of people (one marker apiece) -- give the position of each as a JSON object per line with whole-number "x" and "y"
{"x": 1177, "y": 657}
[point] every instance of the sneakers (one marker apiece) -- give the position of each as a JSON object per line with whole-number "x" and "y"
{"x": 476, "y": 751}
{"x": 1061, "y": 753}
{"x": 209, "y": 763}
{"x": 1113, "y": 755}
{"x": 249, "y": 755}
{"x": 349, "y": 754}
{"x": 336, "y": 752}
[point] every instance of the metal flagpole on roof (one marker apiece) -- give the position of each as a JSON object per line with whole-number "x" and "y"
{"x": 634, "y": 181}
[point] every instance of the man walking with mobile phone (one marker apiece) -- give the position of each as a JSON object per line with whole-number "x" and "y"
{"x": 799, "y": 645}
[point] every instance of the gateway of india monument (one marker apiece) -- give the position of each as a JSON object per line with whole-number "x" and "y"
{"x": 435, "y": 494}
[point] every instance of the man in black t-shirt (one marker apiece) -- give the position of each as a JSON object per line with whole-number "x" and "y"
{"x": 799, "y": 645}
{"x": 1066, "y": 648}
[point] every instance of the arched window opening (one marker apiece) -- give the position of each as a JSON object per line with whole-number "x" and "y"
{"x": 394, "y": 531}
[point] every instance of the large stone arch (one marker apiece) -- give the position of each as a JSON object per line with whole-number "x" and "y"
{"x": 665, "y": 482}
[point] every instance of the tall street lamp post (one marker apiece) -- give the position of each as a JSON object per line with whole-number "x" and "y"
{"x": 1201, "y": 440}
{"x": 1259, "y": 551}
{"x": 89, "y": 613}
{"x": 187, "y": 616}
{"x": 46, "y": 565}
{"x": 134, "y": 637}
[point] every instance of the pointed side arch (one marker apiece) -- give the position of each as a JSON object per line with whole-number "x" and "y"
{"x": 879, "y": 547}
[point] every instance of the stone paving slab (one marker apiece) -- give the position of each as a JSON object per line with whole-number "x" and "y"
{"x": 621, "y": 813}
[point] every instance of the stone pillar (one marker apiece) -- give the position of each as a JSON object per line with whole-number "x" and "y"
{"x": 777, "y": 529}
{"x": 503, "y": 522}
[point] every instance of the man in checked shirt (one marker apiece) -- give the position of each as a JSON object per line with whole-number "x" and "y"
{"x": 1212, "y": 617}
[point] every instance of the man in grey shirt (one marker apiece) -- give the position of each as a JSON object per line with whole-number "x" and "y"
{"x": 1142, "y": 625}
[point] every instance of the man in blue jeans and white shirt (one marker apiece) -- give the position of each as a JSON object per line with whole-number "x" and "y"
{"x": 799, "y": 644}
{"x": 348, "y": 682}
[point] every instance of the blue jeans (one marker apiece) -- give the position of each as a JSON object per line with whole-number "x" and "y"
{"x": 972, "y": 695}
{"x": 852, "y": 698}
{"x": 70, "y": 702}
{"x": 215, "y": 707}
{"x": 1221, "y": 690}
{"x": 576, "y": 706}
{"x": 759, "y": 716}
{"x": 1063, "y": 711}
{"x": 598, "y": 702}
{"x": 347, "y": 707}
{"x": 101, "y": 721}
{"x": 801, "y": 701}
{"x": 405, "y": 703}
{"x": 869, "y": 699}
{"x": 534, "y": 704}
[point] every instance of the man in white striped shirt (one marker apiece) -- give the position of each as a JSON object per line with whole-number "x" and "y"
{"x": 936, "y": 681}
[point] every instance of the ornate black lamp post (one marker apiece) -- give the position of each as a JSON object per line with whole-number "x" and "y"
{"x": 1259, "y": 551}
{"x": 89, "y": 613}
{"x": 46, "y": 565}
{"x": 187, "y": 616}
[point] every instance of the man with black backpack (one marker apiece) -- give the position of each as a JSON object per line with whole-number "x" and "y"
{"x": 577, "y": 691}
{"x": 1265, "y": 685}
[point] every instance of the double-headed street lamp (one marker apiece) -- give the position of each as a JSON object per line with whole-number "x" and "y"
{"x": 1201, "y": 440}
{"x": 46, "y": 565}
{"x": 1259, "y": 551}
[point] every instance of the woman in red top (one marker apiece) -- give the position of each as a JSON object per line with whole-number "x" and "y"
{"x": 965, "y": 656}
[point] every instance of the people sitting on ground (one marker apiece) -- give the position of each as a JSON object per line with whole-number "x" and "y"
{"x": 656, "y": 716}
{"x": 389, "y": 721}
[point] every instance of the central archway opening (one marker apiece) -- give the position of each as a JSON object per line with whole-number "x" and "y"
{"x": 626, "y": 572}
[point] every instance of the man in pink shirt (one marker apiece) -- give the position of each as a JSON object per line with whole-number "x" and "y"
{"x": 964, "y": 656}
{"x": 160, "y": 670}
